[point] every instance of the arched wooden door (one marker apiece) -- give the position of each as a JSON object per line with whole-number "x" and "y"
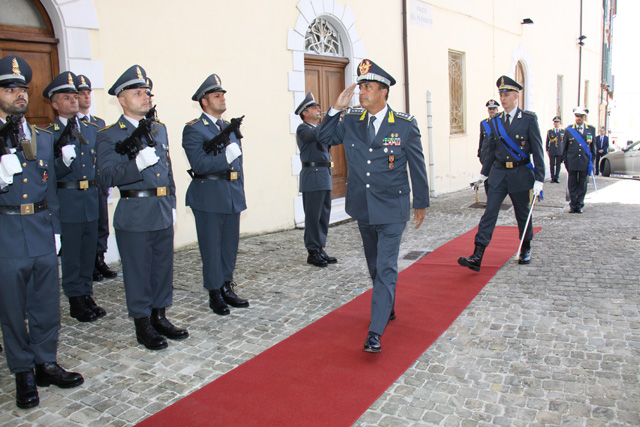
{"x": 26, "y": 31}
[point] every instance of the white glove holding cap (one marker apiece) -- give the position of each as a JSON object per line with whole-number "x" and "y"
{"x": 68, "y": 154}
{"x": 146, "y": 157}
{"x": 232, "y": 152}
{"x": 9, "y": 166}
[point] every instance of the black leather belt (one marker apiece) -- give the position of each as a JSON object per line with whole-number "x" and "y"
{"x": 77, "y": 185}
{"x": 228, "y": 176}
{"x": 511, "y": 165}
{"x": 25, "y": 209}
{"x": 160, "y": 191}
{"x": 317, "y": 164}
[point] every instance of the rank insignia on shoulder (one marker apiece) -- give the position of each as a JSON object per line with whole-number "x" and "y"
{"x": 106, "y": 127}
{"x": 405, "y": 116}
{"x": 194, "y": 121}
{"x": 355, "y": 111}
{"x": 531, "y": 113}
{"x": 122, "y": 125}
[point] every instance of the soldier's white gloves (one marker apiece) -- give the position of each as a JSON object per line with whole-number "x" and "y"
{"x": 478, "y": 181}
{"x": 68, "y": 154}
{"x": 537, "y": 188}
{"x": 9, "y": 166}
{"x": 146, "y": 157}
{"x": 232, "y": 152}
{"x": 56, "y": 237}
{"x": 175, "y": 216}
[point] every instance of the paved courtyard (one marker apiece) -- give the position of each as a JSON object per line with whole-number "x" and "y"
{"x": 556, "y": 342}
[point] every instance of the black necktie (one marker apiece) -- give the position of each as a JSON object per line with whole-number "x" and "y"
{"x": 219, "y": 123}
{"x": 507, "y": 123}
{"x": 85, "y": 119}
{"x": 372, "y": 129}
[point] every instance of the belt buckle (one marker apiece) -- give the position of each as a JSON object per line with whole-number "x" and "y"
{"x": 233, "y": 176}
{"x": 161, "y": 191}
{"x": 26, "y": 209}
{"x": 509, "y": 165}
{"x": 331, "y": 165}
{"x": 83, "y": 184}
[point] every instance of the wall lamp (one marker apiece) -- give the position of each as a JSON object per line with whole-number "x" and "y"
{"x": 527, "y": 21}
{"x": 581, "y": 40}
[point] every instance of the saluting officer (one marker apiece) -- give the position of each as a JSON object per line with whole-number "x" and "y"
{"x": 578, "y": 154}
{"x": 515, "y": 137}
{"x": 554, "y": 147}
{"x": 29, "y": 229}
{"x": 315, "y": 182}
{"x": 145, "y": 214}
{"x": 485, "y": 132}
{"x": 215, "y": 195}
{"x": 101, "y": 269}
{"x": 78, "y": 195}
{"x": 379, "y": 144}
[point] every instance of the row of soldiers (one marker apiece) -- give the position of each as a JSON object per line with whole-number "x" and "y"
{"x": 51, "y": 178}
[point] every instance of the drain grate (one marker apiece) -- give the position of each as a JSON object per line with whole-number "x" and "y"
{"x": 416, "y": 255}
{"x": 482, "y": 205}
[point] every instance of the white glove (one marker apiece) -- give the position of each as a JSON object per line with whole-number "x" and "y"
{"x": 232, "y": 152}
{"x": 9, "y": 166}
{"x": 146, "y": 157}
{"x": 479, "y": 181}
{"x": 175, "y": 216}
{"x": 56, "y": 237}
{"x": 537, "y": 188}
{"x": 68, "y": 154}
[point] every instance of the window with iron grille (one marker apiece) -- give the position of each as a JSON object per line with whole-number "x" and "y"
{"x": 322, "y": 38}
{"x": 456, "y": 92}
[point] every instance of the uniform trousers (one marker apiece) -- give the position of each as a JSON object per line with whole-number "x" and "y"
{"x": 103, "y": 218}
{"x": 381, "y": 248}
{"x": 554, "y": 165}
{"x": 497, "y": 194}
{"x": 29, "y": 290}
{"x": 147, "y": 269}
{"x": 218, "y": 238}
{"x": 317, "y": 210}
{"x": 597, "y": 162}
{"x": 577, "y": 188}
{"x": 78, "y": 257}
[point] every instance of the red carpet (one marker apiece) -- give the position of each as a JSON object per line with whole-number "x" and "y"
{"x": 320, "y": 376}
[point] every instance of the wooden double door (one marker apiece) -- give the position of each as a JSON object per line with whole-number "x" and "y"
{"x": 324, "y": 77}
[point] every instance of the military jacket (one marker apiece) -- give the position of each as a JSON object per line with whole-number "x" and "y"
{"x": 483, "y": 146}
{"x": 216, "y": 196}
{"x": 31, "y": 235}
{"x": 78, "y": 205}
{"x": 98, "y": 121}
{"x": 137, "y": 213}
{"x": 555, "y": 140}
{"x": 573, "y": 155}
{"x": 378, "y": 190}
{"x": 313, "y": 178}
{"x": 524, "y": 132}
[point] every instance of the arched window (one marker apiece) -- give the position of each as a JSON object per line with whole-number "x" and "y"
{"x": 520, "y": 80}
{"x": 322, "y": 39}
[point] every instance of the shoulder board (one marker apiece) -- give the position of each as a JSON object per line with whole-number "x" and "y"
{"x": 91, "y": 123}
{"x": 107, "y": 127}
{"x": 355, "y": 111}
{"x": 193, "y": 122}
{"x": 41, "y": 129}
{"x": 98, "y": 118}
{"x": 405, "y": 116}
{"x": 44, "y": 127}
{"x": 160, "y": 123}
{"x": 587, "y": 127}
{"x": 310, "y": 126}
{"x": 531, "y": 113}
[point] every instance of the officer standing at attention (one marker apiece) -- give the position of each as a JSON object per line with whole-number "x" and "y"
{"x": 29, "y": 229}
{"x": 578, "y": 155}
{"x": 315, "y": 182}
{"x": 215, "y": 195}
{"x": 75, "y": 166}
{"x": 145, "y": 214}
{"x": 515, "y": 137}
{"x": 554, "y": 147}
{"x": 602, "y": 148}
{"x": 379, "y": 143}
{"x": 101, "y": 269}
{"x": 485, "y": 132}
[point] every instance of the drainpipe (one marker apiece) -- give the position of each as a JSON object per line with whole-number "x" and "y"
{"x": 405, "y": 49}
{"x": 432, "y": 162}
{"x": 580, "y": 58}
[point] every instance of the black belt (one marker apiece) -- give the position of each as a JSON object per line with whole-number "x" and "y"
{"x": 510, "y": 165}
{"x": 77, "y": 185}
{"x": 317, "y": 164}
{"x": 25, "y": 209}
{"x": 228, "y": 176}
{"x": 160, "y": 191}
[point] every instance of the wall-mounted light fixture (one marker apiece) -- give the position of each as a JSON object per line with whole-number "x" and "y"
{"x": 527, "y": 21}
{"x": 581, "y": 40}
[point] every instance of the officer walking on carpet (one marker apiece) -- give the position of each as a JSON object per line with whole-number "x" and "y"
{"x": 555, "y": 137}
{"x": 215, "y": 195}
{"x": 578, "y": 155}
{"x": 29, "y": 234}
{"x": 515, "y": 137}
{"x": 379, "y": 144}
{"x": 315, "y": 182}
{"x": 145, "y": 215}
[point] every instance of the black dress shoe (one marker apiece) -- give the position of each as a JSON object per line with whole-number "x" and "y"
{"x": 475, "y": 260}
{"x": 26, "y": 390}
{"x": 525, "y": 256}
{"x": 51, "y": 373}
{"x": 579, "y": 210}
{"x": 97, "y": 276}
{"x": 326, "y": 257}
{"x": 372, "y": 343}
{"x": 572, "y": 210}
{"x": 99, "y": 311}
{"x": 78, "y": 310}
{"x": 217, "y": 304}
{"x": 392, "y": 316}
{"x": 161, "y": 324}
{"x": 315, "y": 258}
{"x": 230, "y": 296}
{"x": 148, "y": 336}
{"x": 103, "y": 268}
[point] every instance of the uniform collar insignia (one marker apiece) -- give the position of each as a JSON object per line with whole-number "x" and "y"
{"x": 122, "y": 125}
{"x": 205, "y": 122}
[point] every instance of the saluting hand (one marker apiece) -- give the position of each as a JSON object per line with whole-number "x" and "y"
{"x": 418, "y": 216}
{"x": 345, "y": 97}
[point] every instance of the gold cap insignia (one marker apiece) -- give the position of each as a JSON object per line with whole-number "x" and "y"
{"x": 502, "y": 81}
{"x": 148, "y": 82}
{"x": 82, "y": 81}
{"x": 15, "y": 69}
{"x": 217, "y": 80}
{"x": 70, "y": 79}
{"x": 364, "y": 67}
{"x": 313, "y": 98}
{"x": 139, "y": 73}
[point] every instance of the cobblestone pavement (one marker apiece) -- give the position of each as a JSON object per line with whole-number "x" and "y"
{"x": 553, "y": 343}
